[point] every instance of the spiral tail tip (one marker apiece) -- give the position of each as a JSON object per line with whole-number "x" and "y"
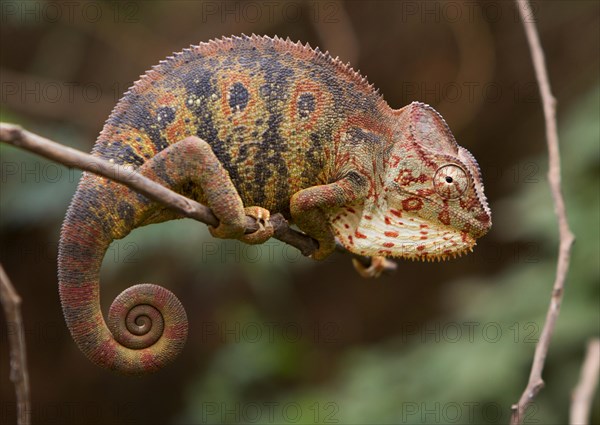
{"x": 151, "y": 324}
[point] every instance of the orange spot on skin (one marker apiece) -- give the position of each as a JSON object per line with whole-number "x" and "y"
{"x": 423, "y": 233}
{"x": 423, "y": 226}
{"x": 412, "y": 204}
{"x": 360, "y": 235}
{"x": 388, "y": 244}
{"x": 351, "y": 210}
{"x": 391, "y": 234}
{"x": 387, "y": 220}
{"x": 420, "y": 247}
{"x": 368, "y": 217}
{"x": 311, "y": 87}
{"x": 166, "y": 99}
{"x": 176, "y": 130}
{"x": 225, "y": 85}
{"x": 396, "y": 213}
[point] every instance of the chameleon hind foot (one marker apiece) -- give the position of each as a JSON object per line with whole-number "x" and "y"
{"x": 236, "y": 230}
{"x": 265, "y": 228}
{"x": 377, "y": 267}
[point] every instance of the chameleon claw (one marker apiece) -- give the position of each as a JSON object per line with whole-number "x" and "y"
{"x": 378, "y": 266}
{"x": 265, "y": 228}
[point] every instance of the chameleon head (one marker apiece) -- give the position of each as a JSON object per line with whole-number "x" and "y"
{"x": 430, "y": 204}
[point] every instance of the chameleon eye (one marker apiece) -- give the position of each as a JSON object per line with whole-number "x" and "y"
{"x": 450, "y": 181}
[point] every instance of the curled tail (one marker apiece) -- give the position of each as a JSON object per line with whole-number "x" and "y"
{"x": 147, "y": 325}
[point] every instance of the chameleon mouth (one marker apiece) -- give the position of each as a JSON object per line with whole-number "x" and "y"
{"x": 398, "y": 235}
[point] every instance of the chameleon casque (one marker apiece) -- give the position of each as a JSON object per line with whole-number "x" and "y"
{"x": 250, "y": 125}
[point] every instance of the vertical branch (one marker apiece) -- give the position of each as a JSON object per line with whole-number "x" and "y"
{"x": 19, "y": 375}
{"x": 536, "y": 383}
{"x": 583, "y": 394}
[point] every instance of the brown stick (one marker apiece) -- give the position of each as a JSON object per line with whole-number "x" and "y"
{"x": 536, "y": 382}
{"x": 19, "y": 374}
{"x": 583, "y": 394}
{"x": 19, "y": 137}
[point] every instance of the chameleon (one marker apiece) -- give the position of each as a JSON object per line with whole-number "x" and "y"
{"x": 249, "y": 126}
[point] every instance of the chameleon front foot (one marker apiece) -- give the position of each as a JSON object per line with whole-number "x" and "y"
{"x": 377, "y": 267}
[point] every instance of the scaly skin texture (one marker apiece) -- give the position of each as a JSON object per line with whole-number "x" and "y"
{"x": 252, "y": 125}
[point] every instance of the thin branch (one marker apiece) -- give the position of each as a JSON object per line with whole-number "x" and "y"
{"x": 17, "y": 136}
{"x": 21, "y": 138}
{"x": 583, "y": 394}
{"x": 19, "y": 374}
{"x": 536, "y": 382}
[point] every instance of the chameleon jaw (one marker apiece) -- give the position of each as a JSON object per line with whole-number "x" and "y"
{"x": 398, "y": 235}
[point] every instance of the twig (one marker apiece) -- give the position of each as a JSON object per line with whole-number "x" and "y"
{"x": 536, "y": 383}
{"x": 19, "y": 374}
{"x": 17, "y": 136}
{"x": 584, "y": 391}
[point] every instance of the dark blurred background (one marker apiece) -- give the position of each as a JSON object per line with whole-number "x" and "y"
{"x": 276, "y": 338}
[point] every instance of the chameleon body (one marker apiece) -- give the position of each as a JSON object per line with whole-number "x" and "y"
{"x": 252, "y": 125}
